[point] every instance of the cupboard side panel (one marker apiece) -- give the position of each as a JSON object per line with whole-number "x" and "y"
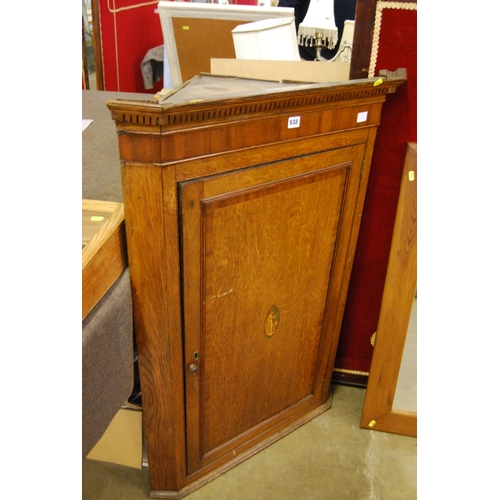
{"x": 154, "y": 323}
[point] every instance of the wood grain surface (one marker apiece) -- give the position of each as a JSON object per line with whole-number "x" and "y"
{"x": 241, "y": 235}
{"x": 397, "y": 302}
{"x": 104, "y": 253}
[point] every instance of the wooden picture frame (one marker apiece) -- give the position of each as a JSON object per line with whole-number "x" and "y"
{"x": 363, "y": 37}
{"x": 193, "y": 33}
{"x": 397, "y": 301}
{"x": 104, "y": 252}
{"x": 96, "y": 42}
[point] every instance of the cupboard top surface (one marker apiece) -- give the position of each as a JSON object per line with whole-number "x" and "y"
{"x": 211, "y": 87}
{"x": 210, "y": 90}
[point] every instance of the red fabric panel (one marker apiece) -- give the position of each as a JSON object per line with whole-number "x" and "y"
{"x": 126, "y": 36}
{"x": 397, "y": 49}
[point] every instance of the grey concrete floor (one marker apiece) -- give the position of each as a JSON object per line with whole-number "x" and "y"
{"x": 329, "y": 458}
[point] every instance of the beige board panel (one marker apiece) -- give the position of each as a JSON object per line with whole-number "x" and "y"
{"x": 300, "y": 71}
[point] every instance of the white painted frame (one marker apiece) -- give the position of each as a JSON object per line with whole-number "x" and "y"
{"x": 168, "y": 10}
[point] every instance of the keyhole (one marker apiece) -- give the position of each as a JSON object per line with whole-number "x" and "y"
{"x": 196, "y": 356}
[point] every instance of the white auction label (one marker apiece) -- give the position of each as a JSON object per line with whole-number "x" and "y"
{"x": 294, "y": 122}
{"x": 363, "y": 116}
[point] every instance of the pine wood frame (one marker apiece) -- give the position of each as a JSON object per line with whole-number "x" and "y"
{"x": 397, "y": 300}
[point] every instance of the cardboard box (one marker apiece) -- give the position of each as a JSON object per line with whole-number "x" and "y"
{"x": 122, "y": 442}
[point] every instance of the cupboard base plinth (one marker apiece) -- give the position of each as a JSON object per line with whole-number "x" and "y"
{"x": 198, "y": 483}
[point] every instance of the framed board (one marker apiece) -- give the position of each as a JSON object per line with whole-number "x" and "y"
{"x": 194, "y": 33}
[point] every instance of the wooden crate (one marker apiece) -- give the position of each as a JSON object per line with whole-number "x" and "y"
{"x": 104, "y": 251}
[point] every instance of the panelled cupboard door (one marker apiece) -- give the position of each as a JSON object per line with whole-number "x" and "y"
{"x": 263, "y": 253}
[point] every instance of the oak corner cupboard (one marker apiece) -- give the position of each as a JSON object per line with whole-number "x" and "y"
{"x": 243, "y": 200}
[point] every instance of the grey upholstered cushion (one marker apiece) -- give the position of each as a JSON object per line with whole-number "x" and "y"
{"x": 107, "y": 360}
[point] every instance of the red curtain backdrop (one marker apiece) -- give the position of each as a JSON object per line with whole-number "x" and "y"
{"x": 397, "y": 48}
